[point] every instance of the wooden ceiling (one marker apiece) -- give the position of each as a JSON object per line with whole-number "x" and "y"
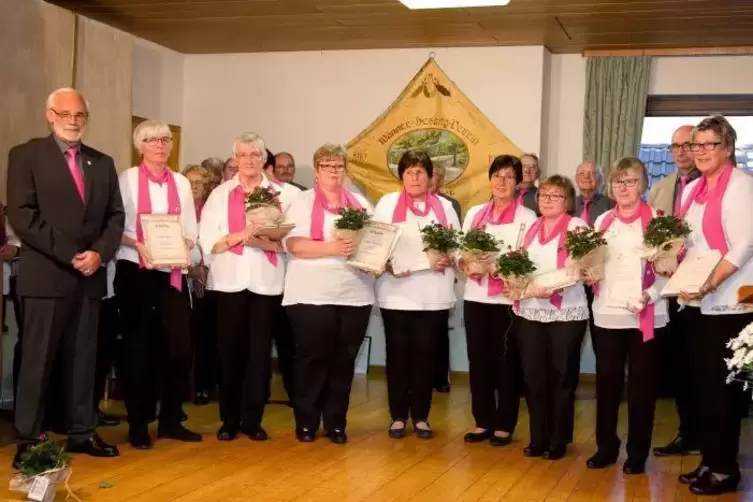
{"x": 565, "y": 26}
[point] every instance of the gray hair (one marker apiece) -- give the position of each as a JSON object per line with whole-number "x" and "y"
{"x": 147, "y": 129}
{"x": 50, "y": 103}
{"x": 213, "y": 164}
{"x": 251, "y": 139}
{"x": 625, "y": 164}
{"x": 598, "y": 174}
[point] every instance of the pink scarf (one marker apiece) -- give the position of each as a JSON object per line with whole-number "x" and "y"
{"x": 347, "y": 199}
{"x": 646, "y": 316}
{"x": 405, "y": 202}
{"x": 236, "y": 220}
{"x": 144, "y": 206}
{"x": 713, "y": 230}
{"x": 559, "y": 230}
{"x": 480, "y": 221}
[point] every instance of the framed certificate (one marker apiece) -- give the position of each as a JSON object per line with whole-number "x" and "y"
{"x": 552, "y": 280}
{"x": 163, "y": 237}
{"x": 275, "y": 232}
{"x": 375, "y": 244}
{"x": 692, "y": 273}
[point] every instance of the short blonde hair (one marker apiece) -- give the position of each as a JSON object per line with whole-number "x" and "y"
{"x": 149, "y": 129}
{"x": 626, "y": 164}
{"x": 566, "y": 185}
{"x": 330, "y": 151}
{"x": 722, "y": 128}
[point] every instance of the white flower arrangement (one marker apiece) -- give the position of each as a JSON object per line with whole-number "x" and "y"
{"x": 740, "y": 366}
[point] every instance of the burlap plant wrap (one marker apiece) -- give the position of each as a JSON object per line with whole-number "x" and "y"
{"x": 590, "y": 267}
{"x": 477, "y": 262}
{"x": 266, "y": 215}
{"x": 516, "y": 286}
{"x": 346, "y": 234}
{"x": 434, "y": 256}
{"x": 665, "y": 257}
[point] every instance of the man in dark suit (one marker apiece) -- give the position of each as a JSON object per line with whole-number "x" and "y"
{"x": 284, "y": 169}
{"x": 526, "y": 192}
{"x": 64, "y": 204}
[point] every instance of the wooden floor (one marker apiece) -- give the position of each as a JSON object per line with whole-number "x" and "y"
{"x": 372, "y": 466}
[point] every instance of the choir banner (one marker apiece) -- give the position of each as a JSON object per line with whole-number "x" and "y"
{"x": 431, "y": 114}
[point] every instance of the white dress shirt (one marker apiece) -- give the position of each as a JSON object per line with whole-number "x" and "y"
{"x": 230, "y": 272}
{"x": 425, "y": 290}
{"x": 574, "y": 304}
{"x": 129, "y": 191}
{"x": 619, "y": 237}
{"x": 323, "y": 281}
{"x": 475, "y": 292}
{"x": 737, "y": 222}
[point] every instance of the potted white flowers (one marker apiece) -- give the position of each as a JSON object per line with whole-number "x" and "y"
{"x": 740, "y": 366}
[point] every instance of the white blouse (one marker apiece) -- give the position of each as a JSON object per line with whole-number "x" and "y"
{"x": 129, "y": 191}
{"x": 230, "y": 272}
{"x": 737, "y": 221}
{"x": 425, "y": 290}
{"x": 323, "y": 281}
{"x": 574, "y": 303}
{"x": 474, "y": 291}
{"x": 620, "y": 237}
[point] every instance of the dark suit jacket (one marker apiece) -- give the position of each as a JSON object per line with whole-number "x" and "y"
{"x": 46, "y": 212}
{"x": 455, "y": 205}
{"x": 529, "y": 199}
{"x": 600, "y": 205}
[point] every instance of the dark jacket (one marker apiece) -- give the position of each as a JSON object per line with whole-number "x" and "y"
{"x": 600, "y": 205}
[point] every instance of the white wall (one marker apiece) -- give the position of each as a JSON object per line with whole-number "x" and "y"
{"x": 157, "y": 82}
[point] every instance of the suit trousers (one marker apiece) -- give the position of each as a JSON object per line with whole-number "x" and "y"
{"x": 412, "y": 338}
{"x": 550, "y": 356}
{"x": 719, "y": 406}
{"x": 109, "y": 350}
{"x": 327, "y": 341}
{"x": 616, "y": 347}
{"x": 49, "y": 323}
{"x": 494, "y": 363}
{"x": 245, "y": 321}
{"x": 156, "y": 327}
{"x": 204, "y": 336}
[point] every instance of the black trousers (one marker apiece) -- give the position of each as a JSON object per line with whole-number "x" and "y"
{"x": 204, "y": 335}
{"x": 18, "y": 346}
{"x": 550, "y": 356}
{"x": 285, "y": 345}
{"x": 245, "y": 321}
{"x": 591, "y": 325}
{"x": 156, "y": 321}
{"x": 719, "y": 406}
{"x": 412, "y": 338}
{"x": 109, "y": 348}
{"x": 49, "y": 323}
{"x": 327, "y": 341}
{"x": 617, "y": 347}
{"x": 442, "y": 356}
{"x": 494, "y": 363}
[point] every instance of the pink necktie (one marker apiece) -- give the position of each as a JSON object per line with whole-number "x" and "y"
{"x": 584, "y": 213}
{"x": 678, "y": 200}
{"x": 78, "y": 176}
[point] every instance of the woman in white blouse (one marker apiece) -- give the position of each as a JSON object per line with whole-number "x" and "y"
{"x": 247, "y": 275}
{"x": 328, "y": 302}
{"x": 551, "y": 326}
{"x": 718, "y": 208}
{"x": 415, "y": 306}
{"x": 154, "y": 303}
{"x": 628, "y": 314}
{"x": 493, "y": 354}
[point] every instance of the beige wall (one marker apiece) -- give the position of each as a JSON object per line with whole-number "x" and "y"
{"x": 36, "y": 49}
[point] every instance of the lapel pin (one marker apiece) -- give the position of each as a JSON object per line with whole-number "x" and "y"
{"x": 88, "y": 162}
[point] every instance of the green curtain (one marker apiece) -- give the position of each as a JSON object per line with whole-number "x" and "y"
{"x": 616, "y": 92}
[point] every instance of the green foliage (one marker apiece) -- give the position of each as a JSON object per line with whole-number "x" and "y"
{"x": 260, "y": 197}
{"x": 440, "y": 239}
{"x": 352, "y": 218}
{"x": 478, "y": 240}
{"x": 515, "y": 262}
{"x": 664, "y": 228}
{"x": 43, "y": 457}
{"x": 582, "y": 241}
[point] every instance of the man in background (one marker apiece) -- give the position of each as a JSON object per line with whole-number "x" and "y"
{"x": 284, "y": 169}
{"x": 527, "y": 188}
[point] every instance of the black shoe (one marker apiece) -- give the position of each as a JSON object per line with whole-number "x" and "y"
{"x": 20, "y": 450}
{"x": 500, "y": 441}
{"x": 634, "y": 466}
{"x": 227, "y": 432}
{"x": 423, "y": 433}
{"x": 444, "y": 388}
{"x": 305, "y": 435}
{"x": 179, "y": 433}
{"x": 337, "y": 436}
{"x": 678, "y": 446}
{"x": 691, "y": 477}
{"x": 708, "y": 484}
{"x": 106, "y": 420}
{"x": 555, "y": 453}
{"x": 477, "y": 437}
{"x": 533, "y": 450}
{"x": 201, "y": 399}
{"x": 601, "y": 459}
{"x": 255, "y": 433}
{"x": 397, "y": 433}
{"x": 139, "y": 438}
{"x": 95, "y": 447}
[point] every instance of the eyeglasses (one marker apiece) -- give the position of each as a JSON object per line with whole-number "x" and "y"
{"x": 551, "y": 197}
{"x": 708, "y": 146}
{"x": 165, "y": 140}
{"x": 629, "y": 182}
{"x": 330, "y": 168}
{"x": 676, "y": 147}
{"x": 250, "y": 155}
{"x": 67, "y": 116}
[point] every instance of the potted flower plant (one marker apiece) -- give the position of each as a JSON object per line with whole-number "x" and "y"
{"x": 587, "y": 251}
{"x": 515, "y": 267}
{"x": 263, "y": 207}
{"x": 350, "y": 222}
{"x": 43, "y": 467}
{"x": 439, "y": 241}
{"x": 478, "y": 252}
{"x": 664, "y": 241}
